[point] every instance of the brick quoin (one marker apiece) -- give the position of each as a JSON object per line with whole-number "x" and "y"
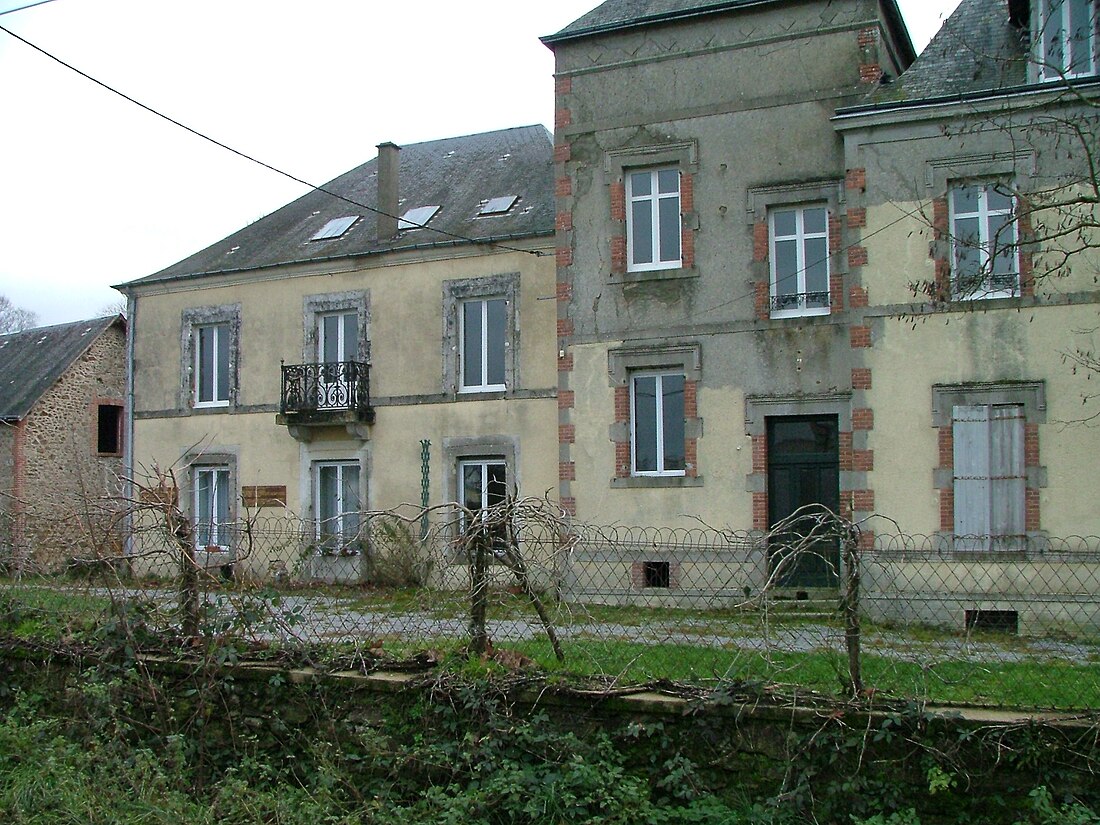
{"x": 563, "y": 152}
{"x": 762, "y": 302}
{"x": 567, "y": 471}
{"x": 687, "y": 247}
{"x": 759, "y": 511}
{"x": 861, "y": 378}
{"x": 691, "y": 395}
{"x": 622, "y": 405}
{"x": 868, "y": 36}
{"x": 857, "y": 297}
{"x": 946, "y": 447}
{"x": 569, "y": 505}
{"x": 687, "y": 192}
{"x": 566, "y": 399}
{"x": 863, "y": 461}
{"x": 562, "y": 118}
{"x": 760, "y": 241}
{"x": 1031, "y": 516}
{"x": 834, "y": 234}
{"x": 845, "y": 449}
{"x": 567, "y": 434}
{"x": 1027, "y": 279}
{"x": 870, "y": 72}
{"x": 564, "y": 221}
{"x": 618, "y": 254}
{"x": 857, "y": 256}
{"x": 1031, "y": 445}
{"x": 867, "y": 540}
{"x": 857, "y": 218}
{"x": 565, "y": 363}
{"x": 947, "y": 510}
{"x": 836, "y": 293}
{"x": 565, "y": 327}
{"x": 618, "y": 201}
{"x": 563, "y": 85}
{"x": 563, "y": 256}
{"x": 862, "y": 501}
{"x": 863, "y": 419}
{"x": 563, "y": 290}
{"x": 622, "y": 459}
{"x": 759, "y": 453}
{"x": 691, "y": 458}
{"x": 856, "y": 179}
{"x": 859, "y": 337}
{"x": 563, "y": 187}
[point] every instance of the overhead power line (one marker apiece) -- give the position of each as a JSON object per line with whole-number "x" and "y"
{"x": 24, "y": 8}
{"x": 253, "y": 159}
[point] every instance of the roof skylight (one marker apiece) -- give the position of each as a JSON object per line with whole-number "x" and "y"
{"x": 417, "y": 217}
{"x": 498, "y": 206}
{"x": 335, "y": 228}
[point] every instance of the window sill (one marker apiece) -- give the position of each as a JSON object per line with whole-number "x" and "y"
{"x": 670, "y": 274}
{"x": 206, "y": 409}
{"x": 783, "y": 314}
{"x": 481, "y": 395}
{"x": 656, "y": 482}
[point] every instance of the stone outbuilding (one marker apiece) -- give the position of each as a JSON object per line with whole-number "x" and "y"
{"x": 62, "y": 391}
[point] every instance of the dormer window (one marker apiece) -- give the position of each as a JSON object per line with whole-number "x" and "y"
{"x": 1066, "y": 38}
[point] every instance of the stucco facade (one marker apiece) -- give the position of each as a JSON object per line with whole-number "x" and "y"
{"x": 404, "y": 307}
{"x": 739, "y": 102}
{"x": 881, "y": 359}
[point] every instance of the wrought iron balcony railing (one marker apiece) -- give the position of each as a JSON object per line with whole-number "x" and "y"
{"x": 312, "y": 391}
{"x": 800, "y": 301}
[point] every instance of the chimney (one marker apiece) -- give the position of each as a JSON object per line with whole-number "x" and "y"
{"x": 388, "y": 163}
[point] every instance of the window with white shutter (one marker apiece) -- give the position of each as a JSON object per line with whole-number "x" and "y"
{"x": 989, "y": 476}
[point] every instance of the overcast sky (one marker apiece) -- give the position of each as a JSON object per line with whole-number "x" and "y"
{"x": 95, "y": 191}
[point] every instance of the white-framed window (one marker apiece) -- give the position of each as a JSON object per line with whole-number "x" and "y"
{"x": 337, "y": 336}
{"x": 653, "y": 219}
{"x": 799, "y": 256}
{"x": 984, "y": 242}
{"x": 337, "y": 505}
{"x": 212, "y": 507}
{"x": 990, "y": 476}
{"x": 483, "y": 337}
{"x": 657, "y": 424}
{"x": 1067, "y": 38}
{"x": 212, "y": 367}
{"x": 483, "y": 482}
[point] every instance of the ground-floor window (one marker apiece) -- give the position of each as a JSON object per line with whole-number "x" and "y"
{"x": 990, "y": 478}
{"x": 212, "y": 498}
{"x": 337, "y": 505}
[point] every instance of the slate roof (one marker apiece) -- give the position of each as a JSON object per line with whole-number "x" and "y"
{"x": 31, "y": 361}
{"x": 457, "y": 174}
{"x": 978, "y": 48}
{"x": 622, "y": 14}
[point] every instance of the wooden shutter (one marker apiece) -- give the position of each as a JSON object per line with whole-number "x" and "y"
{"x": 989, "y": 476}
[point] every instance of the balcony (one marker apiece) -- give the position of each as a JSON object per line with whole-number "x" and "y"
{"x": 335, "y": 393}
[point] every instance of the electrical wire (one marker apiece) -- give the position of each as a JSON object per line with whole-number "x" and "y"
{"x": 257, "y": 161}
{"x": 24, "y": 8}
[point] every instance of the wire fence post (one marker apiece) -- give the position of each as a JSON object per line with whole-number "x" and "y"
{"x": 850, "y": 536}
{"x": 189, "y": 580}
{"x": 477, "y": 540}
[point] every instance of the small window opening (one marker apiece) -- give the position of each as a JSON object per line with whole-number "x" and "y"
{"x": 109, "y": 429}
{"x": 657, "y": 574}
{"x": 996, "y": 621}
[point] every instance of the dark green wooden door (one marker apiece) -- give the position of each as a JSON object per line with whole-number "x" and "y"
{"x": 803, "y": 469}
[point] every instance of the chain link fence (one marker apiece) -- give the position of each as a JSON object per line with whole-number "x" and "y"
{"x": 816, "y": 605}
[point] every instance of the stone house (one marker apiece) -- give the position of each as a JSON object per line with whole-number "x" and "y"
{"x": 62, "y": 402}
{"x": 751, "y": 197}
{"x": 385, "y": 339}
